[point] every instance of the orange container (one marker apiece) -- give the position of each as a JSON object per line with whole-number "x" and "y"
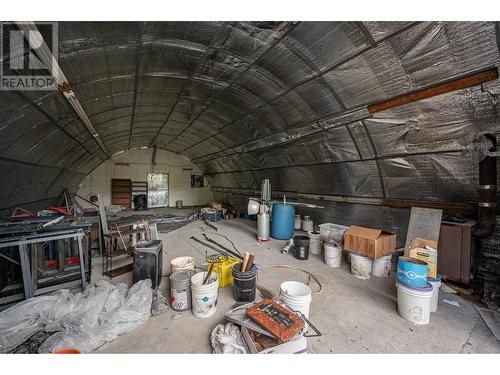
{"x": 66, "y": 351}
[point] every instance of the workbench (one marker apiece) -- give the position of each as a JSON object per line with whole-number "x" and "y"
{"x": 29, "y": 243}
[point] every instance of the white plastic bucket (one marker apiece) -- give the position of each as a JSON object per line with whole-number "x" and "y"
{"x": 361, "y": 266}
{"x": 182, "y": 263}
{"x": 314, "y": 243}
{"x": 333, "y": 255}
{"x": 436, "y": 284}
{"x": 382, "y": 266}
{"x": 414, "y": 304}
{"x": 204, "y": 297}
{"x": 296, "y": 295}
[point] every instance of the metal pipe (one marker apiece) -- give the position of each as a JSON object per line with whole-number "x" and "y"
{"x": 215, "y": 249}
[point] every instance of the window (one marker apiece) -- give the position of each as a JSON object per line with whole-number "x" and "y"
{"x": 197, "y": 181}
{"x": 157, "y": 190}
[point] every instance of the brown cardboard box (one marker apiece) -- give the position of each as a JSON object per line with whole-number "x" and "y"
{"x": 425, "y": 250}
{"x": 216, "y": 205}
{"x": 369, "y": 242}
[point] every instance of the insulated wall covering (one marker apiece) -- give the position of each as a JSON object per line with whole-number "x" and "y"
{"x": 247, "y": 100}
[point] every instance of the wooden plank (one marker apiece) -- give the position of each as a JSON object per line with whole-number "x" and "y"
{"x": 120, "y": 252}
{"x": 439, "y": 89}
{"x": 86, "y": 200}
{"x": 120, "y": 270}
{"x": 126, "y": 232}
{"x": 102, "y": 214}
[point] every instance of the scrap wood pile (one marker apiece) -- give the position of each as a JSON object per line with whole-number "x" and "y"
{"x": 83, "y": 321}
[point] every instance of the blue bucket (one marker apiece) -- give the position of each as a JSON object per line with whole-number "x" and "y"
{"x": 412, "y": 272}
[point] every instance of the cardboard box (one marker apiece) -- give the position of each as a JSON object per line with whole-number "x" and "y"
{"x": 369, "y": 242}
{"x": 216, "y": 205}
{"x": 425, "y": 250}
{"x": 298, "y": 345}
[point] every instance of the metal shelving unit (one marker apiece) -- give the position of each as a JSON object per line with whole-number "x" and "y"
{"x": 71, "y": 264}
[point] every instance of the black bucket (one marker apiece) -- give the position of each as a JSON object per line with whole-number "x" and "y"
{"x": 301, "y": 247}
{"x": 244, "y": 284}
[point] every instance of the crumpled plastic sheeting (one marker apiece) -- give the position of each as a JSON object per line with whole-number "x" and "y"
{"x": 226, "y": 339}
{"x": 83, "y": 321}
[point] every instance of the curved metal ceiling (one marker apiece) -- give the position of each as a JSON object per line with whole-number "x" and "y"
{"x": 246, "y": 100}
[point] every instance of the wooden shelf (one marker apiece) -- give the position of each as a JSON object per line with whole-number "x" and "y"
{"x": 120, "y": 252}
{"x": 120, "y": 270}
{"x": 126, "y": 232}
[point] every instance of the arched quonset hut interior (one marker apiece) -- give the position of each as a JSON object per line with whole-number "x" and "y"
{"x": 367, "y": 119}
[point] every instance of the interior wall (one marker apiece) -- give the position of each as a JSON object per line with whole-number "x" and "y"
{"x": 139, "y": 165}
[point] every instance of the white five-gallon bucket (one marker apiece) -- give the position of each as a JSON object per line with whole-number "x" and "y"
{"x": 436, "y": 284}
{"x": 204, "y": 297}
{"x": 382, "y": 266}
{"x": 182, "y": 263}
{"x": 314, "y": 243}
{"x": 361, "y": 266}
{"x": 333, "y": 255}
{"x": 296, "y": 295}
{"x": 414, "y": 304}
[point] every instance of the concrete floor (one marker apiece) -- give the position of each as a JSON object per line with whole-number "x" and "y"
{"x": 355, "y": 316}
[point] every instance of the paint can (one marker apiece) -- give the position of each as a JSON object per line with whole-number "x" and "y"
{"x": 414, "y": 304}
{"x": 182, "y": 263}
{"x": 204, "y": 297}
{"x": 307, "y": 224}
{"x": 412, "y": 272}
{"x": 382, "y": 266}
{"x": 361, "y": 266}
{"x": 314, "y": 243}
{"x": 180, "y": 290}
{"x": 244, "y": 284}
{"x": 301, "y": 247}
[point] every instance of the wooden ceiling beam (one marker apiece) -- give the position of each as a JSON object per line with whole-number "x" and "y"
{"x": 439, "y": 89}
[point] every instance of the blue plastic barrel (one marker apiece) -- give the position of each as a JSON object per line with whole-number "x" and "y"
{"x": 412, "y": 272}
{"x": 282, "y": 226}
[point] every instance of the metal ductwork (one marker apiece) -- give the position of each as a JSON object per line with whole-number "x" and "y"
{"x": 487, "y": 193}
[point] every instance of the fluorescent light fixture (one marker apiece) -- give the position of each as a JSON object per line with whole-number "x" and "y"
{"x": 36, "y": 41}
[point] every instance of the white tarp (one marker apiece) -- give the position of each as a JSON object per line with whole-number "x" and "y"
{"x": 82, "y": 321}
